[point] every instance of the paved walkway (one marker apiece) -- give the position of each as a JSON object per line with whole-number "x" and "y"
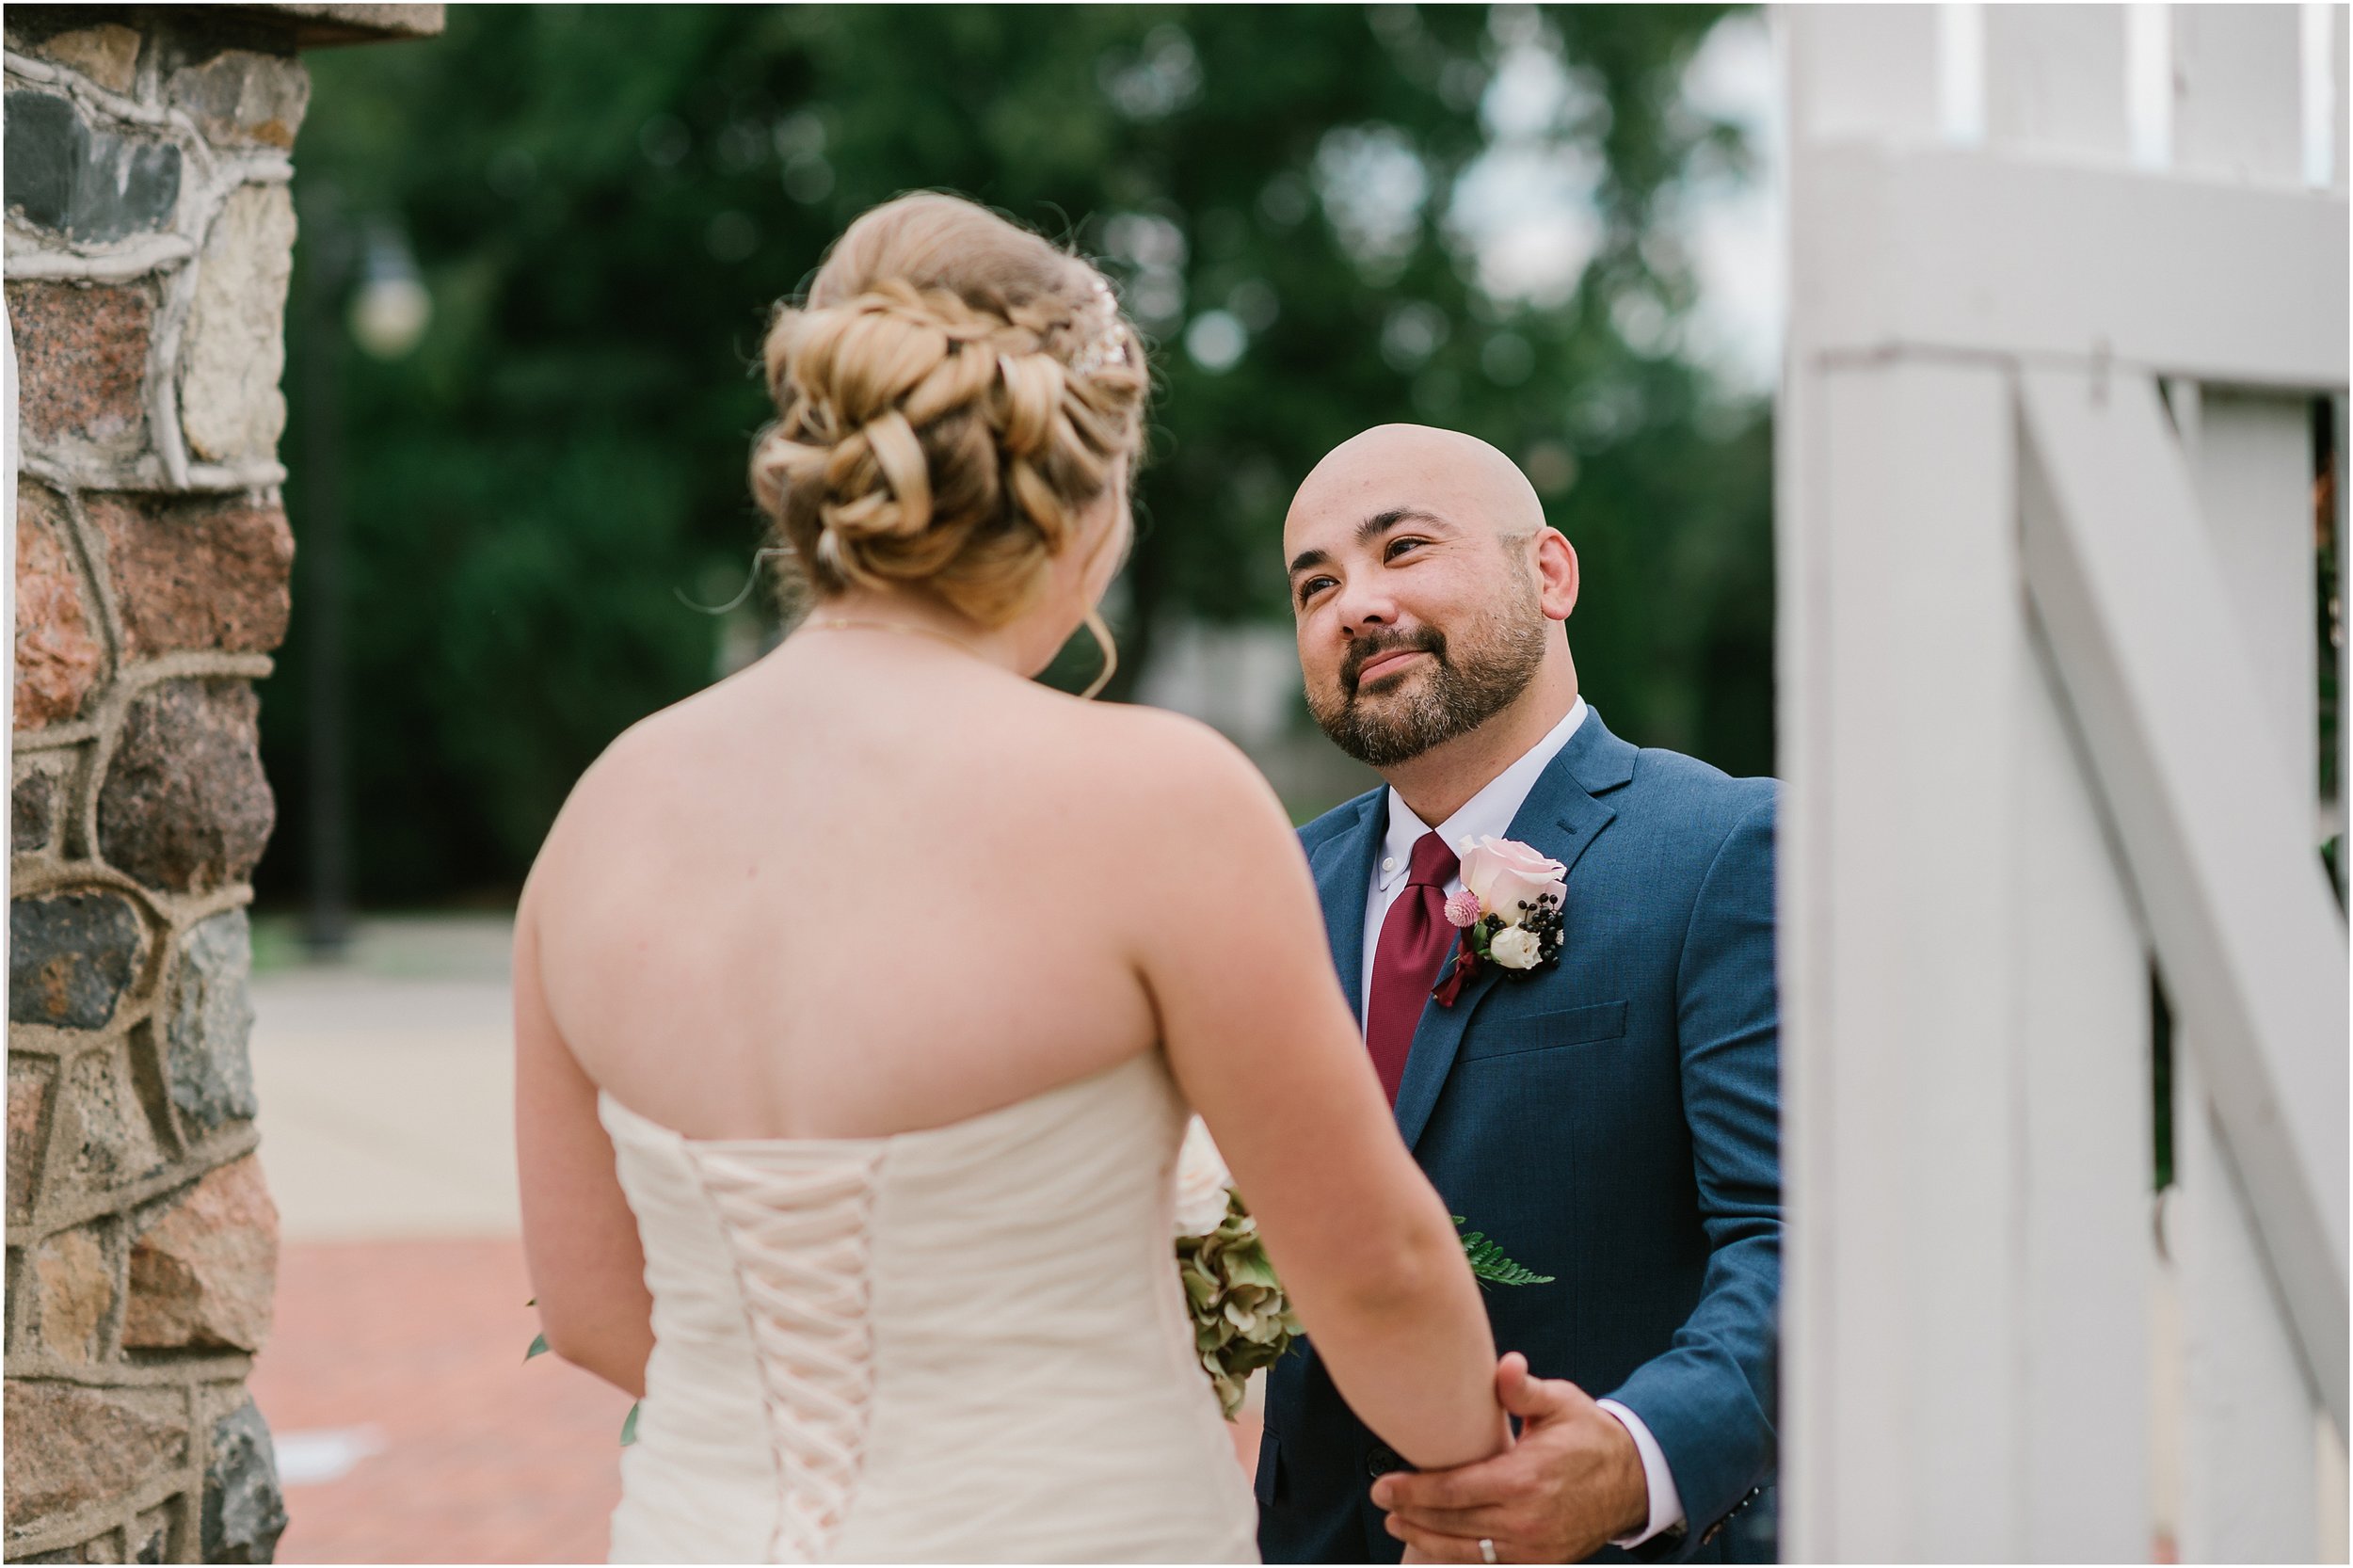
{"x": 409, "y": 1429}
{"x": 409, "y": 1426}
{"x": 386, "y": 1084}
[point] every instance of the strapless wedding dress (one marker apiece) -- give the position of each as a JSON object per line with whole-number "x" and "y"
{"x": 967, "y": 1344}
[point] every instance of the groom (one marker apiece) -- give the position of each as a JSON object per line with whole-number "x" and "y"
{"x": 1610, "y": 1118}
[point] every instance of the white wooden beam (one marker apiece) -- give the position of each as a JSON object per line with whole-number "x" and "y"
{"x": 2125, "y": 580}
{"x": 1978, "y": 253}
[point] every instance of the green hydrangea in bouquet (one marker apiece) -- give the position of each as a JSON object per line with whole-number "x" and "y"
{"x": 1241, "y": 1320}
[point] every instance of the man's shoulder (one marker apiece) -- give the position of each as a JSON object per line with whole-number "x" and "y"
{"x": 1699, "y": 794}
{"x": 1343, "y": 817}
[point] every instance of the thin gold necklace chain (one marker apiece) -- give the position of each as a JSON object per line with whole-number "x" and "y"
{"x": 845, "y": 625}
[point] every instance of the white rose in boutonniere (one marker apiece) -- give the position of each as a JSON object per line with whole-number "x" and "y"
{"x": 1515, "y": 947}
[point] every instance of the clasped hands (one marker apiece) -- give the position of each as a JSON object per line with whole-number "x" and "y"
{"x": 1571, "y": 1483}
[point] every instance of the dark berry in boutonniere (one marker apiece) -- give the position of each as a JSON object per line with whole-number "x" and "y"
{"x": 1508, "y": 912}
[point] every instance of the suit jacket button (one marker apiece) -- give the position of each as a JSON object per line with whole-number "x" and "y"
{"x": 1708, "y": 1537}
{"x": 1380, "y": 1462}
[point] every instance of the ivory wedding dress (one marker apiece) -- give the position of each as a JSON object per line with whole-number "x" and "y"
{"x": 967, "y": 1344}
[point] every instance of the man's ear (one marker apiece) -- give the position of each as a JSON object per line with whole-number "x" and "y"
{"x": 1556, "y": 573}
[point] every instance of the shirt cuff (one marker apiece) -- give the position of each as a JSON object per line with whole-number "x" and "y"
{"x": 1666, "y": 1503}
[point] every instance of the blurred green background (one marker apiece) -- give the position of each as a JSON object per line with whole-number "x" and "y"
{"x": 1323, "y": 218}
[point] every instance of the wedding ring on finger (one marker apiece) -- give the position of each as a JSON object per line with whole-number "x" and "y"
{"x": 1487, "y": 1550}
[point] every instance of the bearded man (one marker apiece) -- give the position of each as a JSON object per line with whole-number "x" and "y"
{"x": 1603, "y": 1102}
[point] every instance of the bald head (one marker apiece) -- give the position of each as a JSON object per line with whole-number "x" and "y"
{"x": 1421, "y": 469}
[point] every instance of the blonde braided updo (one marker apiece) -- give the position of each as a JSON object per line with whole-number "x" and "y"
{"x": 953, "y": 395}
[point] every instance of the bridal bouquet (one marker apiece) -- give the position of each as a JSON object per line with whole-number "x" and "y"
{"x": 1241, "y": 1320}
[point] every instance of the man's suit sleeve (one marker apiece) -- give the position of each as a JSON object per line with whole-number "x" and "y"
{"x": 1709, "y": 1400}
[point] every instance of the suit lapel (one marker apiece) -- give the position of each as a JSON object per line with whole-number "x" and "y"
{"x": 1560, "y": 816}
{"x": 1342, "y": 867}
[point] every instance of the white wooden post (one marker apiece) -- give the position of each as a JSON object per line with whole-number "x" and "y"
{"x": 1924, "y": 1092}
{"x": 2238, "y": 92}
{"x": 2339, "y": 174}
{"x": 1838, "y": 1494}
{"x": 2054, "y": 79}
{"x": 2041, "y": 709}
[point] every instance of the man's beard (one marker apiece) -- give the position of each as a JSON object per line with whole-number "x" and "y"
{"x": 1502, "y": 656}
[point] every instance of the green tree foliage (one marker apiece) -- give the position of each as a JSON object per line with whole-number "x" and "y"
{"x": 605, "y": 203}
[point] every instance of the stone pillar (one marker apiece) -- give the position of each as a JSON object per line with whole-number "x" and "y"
{"x": 150, "y": 236}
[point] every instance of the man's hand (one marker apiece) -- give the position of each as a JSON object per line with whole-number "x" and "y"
{"x": 1571, "y": 1484}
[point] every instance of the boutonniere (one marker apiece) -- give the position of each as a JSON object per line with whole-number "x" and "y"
{"x": 1508, "y": 912}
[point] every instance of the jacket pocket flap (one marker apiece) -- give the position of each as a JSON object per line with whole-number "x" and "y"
{"x": 1270, "y": 1460}
{"x": 1572, "y": 1026}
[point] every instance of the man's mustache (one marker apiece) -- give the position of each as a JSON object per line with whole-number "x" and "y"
{"x": 1363, "y": 650}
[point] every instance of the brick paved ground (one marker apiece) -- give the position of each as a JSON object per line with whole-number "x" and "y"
{"x": 418, "y": 1346}
{"x": 483, "y": 1458}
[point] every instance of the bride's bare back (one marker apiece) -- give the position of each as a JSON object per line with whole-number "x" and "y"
{"x": 870, "y": 885}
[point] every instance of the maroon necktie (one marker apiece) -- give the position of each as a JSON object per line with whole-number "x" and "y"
{"x": 1414, "y": 943}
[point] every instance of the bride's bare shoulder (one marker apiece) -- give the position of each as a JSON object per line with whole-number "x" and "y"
{"x": 653, "y": 760}
{"x": 1168, "y": 769}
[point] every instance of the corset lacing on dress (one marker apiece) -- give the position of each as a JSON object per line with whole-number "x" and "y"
{"x": 797, "y": 1232}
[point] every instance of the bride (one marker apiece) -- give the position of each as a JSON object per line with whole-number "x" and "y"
{"x": 860, "y": 1001}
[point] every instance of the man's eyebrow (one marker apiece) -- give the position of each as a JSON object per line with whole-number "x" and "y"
{"x": 1367, "y": 530}
{"x": 1381, "y": 522}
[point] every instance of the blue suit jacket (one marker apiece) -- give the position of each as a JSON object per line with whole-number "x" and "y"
{"x": 1611, "y": 1121}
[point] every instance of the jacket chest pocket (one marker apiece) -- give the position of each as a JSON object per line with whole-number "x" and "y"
{"x": 1571, "y": 1026}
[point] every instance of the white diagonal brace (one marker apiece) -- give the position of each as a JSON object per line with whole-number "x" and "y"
{"x": 2123, "y": 574}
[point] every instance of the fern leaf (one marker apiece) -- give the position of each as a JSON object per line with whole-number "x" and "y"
{"x": 1490, "y": 1267}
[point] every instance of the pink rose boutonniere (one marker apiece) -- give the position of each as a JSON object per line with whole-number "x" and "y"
{"x": 1508, "y": 913}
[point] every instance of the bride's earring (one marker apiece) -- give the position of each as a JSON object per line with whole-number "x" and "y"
{"x": 1102, "y": 635}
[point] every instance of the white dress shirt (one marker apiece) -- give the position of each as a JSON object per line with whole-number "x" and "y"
{"x": 1489, "y": 813}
